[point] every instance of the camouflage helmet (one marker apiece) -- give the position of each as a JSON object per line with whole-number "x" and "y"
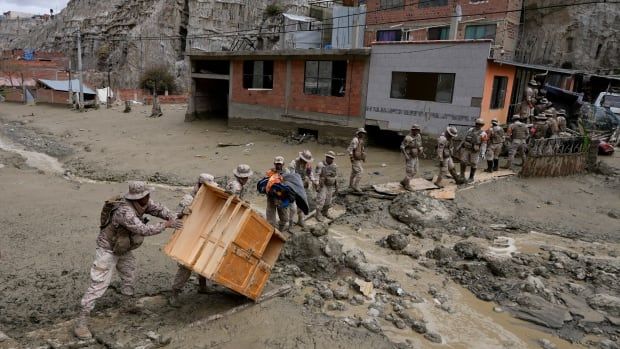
{"x": 360, "y": 130}
{"x": 452, "y": 131}
{"x": 306, "y": 155}
{"x": 278, "y": 160}
{"x": 243, "y": 171}
{"x": 495, "y": 121}
{"x": 415, "y": 127}
{"x": 330, "y": 154}
{"x": 533, "y": 83}
{"x": 479, "y": 121}
{"x": 137, "y": 190}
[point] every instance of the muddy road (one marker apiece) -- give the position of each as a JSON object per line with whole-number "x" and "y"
{"x": 440, "y": 290}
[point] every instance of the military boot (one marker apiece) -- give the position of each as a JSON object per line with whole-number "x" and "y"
{"x": 282, "y": 226}
{"x": 463, "y": 168}
{"x": 300, "y": 221}
{"x": 406, "y": 184}
{"x": 472, "y": 173}
{"x": 489, "y": 166}
{"x": 437, "y": 182}
{"x": 457, "y": 179}
{"x": 319, "y": 216}
{"x": 325, "y": 212}
{"x": 130, "y": 306}
{"x": 80, "y": 330}
{"x": 496, "y": 165}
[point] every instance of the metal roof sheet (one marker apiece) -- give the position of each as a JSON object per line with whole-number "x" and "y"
{"x": 63, "y": 85}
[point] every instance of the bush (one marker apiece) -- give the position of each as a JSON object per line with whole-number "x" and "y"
{"x": 159, "y": 79}
{"x": 273, "y": 10}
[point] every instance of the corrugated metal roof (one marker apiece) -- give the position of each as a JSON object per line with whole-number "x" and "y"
{"x": 299, "y": 18}
{"x": 538, "y": 67}
{"x": 63, "y": 85}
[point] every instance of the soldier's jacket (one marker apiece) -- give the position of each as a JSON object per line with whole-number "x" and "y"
{"x": 357, "y": 150}
{"x": 126, "y": 229}
{"x": 517, "y": 130}
{"x": 529, "y": 99}
{"x": 562, "y": 123}
{"x": 412, "y": 145}
{"x": 541, "y": 129}
{"x": 474, "y": 139}
{"x": 496, "y": 135}
{"x": 303, "y": 169}
{"x": 235, "y": 188}
{"x": 553, "y": 126}
{"x": 327, "y": 173}
{"x": 444, "y": 147}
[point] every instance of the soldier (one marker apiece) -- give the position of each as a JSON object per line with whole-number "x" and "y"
{"x": 183, "y": 274}
{"x": 494, "y": 149}
{"x": 445, "y": 144}
{"x": 552, "y": 123}
{"x": 411, "y": 147}
{"x": 303, "y": 167}
{"x": 517, "y": 133}
{"x": 122, "y": 230}
{"x": 473, "y": 148}
{"x": 529, "y": 99}
{"x": 357, "y": 154}
{"x": 236, "y": 186}
{"x": 327, "y": 172}
{"x": 542, "y": 106}
{"x": 273, "y": 205}
{"x": 562, "y": 120}
{"x": 540, "y": 128}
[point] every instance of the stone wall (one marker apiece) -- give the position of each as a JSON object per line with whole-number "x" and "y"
{"x": 581, "y": 37}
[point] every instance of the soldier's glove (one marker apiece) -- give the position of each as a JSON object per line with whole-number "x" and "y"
{"x": 174, "y": 223}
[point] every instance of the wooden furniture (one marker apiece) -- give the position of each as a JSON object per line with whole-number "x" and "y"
{"x": 227, "y": 242}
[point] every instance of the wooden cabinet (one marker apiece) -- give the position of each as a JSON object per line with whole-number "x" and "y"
{"x": 227, "y": 242}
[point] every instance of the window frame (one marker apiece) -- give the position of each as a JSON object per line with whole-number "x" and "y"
{"x": 467, "y": 27}
{"x": 437, "y": 82}
{"x": 432, "y": 3}
{"x": 249, "y": 79}
{"x": 496, "y": 91}
{"x": 443, "y": 29}
{"x": 338, "y": 71}
{"x": 400, "y": 35}
{"x": 389, "y": 4}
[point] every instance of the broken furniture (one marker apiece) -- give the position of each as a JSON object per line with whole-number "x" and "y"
{"x": 227, "y": 242}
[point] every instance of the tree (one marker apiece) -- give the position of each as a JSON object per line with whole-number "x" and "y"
{"x": 158, "y": 80}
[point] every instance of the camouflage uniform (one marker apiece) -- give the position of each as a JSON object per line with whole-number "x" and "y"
{"x": 496, "y": 142}
{"x": 357, "y": 153}
{"x": 553, "y": 126}
{"x": 445, "y": 144}
{"x": 528, "y": 103}
{"x": 234, "y": 187}
{"x": 562, "y": 123}
{"x": 127, "y": 217}
{"x": 327, "y": 174}
{"x": 517, "y": 132}
{"x": 473, "y": 145}
{"x": 411, "y": 147}
{"x": 274, "y": 208}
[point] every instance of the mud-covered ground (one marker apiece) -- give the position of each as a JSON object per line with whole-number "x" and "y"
{"x": 437, "y": 278}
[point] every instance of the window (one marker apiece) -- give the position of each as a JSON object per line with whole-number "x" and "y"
{"x": 325, "y": 78}
{"x": 389, "y": 35}
{"x": 438, "y": 33}
{"x": 258, "y": 74}
{"x": 434, "y": 87}
{"x": 432, "y": 3}
{"x": 486, "y": 31}
{"x": 499, "y": 92}
{"x": 391, "y": 4}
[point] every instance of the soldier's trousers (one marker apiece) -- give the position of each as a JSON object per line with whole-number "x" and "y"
{"x": 517, "y": 146}
{"x": 181, "y": 277}
{"x": 271, "y": 211}
{"x": 324, "y": 198}
{"x": 411, "y": 167}
{"x": 493, "y": 151}
{"x": 470, "y": 157}
{"x": 356, "y": 173}
{"x": 101, "y": 274}
{"x": 448, "y": 165}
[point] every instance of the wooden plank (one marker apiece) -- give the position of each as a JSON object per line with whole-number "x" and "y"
{"x": 395, "y": 188}
{"x": 446, "y": 193}
{"x": 280, "y": 291}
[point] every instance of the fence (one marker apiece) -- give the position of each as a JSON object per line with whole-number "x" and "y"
{"x": 554, "y": 157}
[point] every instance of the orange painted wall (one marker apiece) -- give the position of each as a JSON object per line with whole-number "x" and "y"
{"x": 486, "y": 113}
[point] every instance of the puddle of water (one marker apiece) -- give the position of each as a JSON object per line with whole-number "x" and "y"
{"x": 40, "y": 161}
{"x": 474, "y": 324}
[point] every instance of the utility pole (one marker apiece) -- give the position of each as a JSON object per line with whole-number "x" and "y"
{"x": 108, "y": 91}
{"x": 79, "y": 61}
{"x": 70, "y": 86}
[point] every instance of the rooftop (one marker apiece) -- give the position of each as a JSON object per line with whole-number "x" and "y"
{"x": 280, "y": 54}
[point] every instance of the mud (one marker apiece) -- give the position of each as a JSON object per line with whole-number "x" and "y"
{"x": 428, "y": 283}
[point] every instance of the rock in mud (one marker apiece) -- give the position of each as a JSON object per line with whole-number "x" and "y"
{"x": 372, "y": 325}
{"x": 605, "y": 302}
{"x": 418, "y": 326}
{"x": 356, "y": 260}
{"x": 442, "y": 253}
{"x": 319, "y": 230}
{"x": 399, "y": 323}
{"x": 397, "y": 241}
{"x": 468, "y": 250}
{"x": 336, "y": 306}
{"x": 537, "y": 310}
{"x": 546, "y": 344}
{"x": 341, "y": 293}
{"x": 608, "y": 344}
{"x": 419, "y": 210}
{"x": 314, "y": 300}
{"x": 502, "y": 267}
{"x": 433, "y": 337}
{"x": 325, "y": 292}
{"x": 357, "y": 300}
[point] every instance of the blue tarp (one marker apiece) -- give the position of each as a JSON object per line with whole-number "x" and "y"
{"x": 291, "y": 188}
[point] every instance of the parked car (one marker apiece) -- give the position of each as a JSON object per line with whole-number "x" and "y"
{"x": 609, "y": 100}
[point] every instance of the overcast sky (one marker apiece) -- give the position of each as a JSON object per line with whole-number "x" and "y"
{"x": 32, "y": 6}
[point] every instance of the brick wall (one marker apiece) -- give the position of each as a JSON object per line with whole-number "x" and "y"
{"x": 347, "y": 105}
{"x": 272, "y": 98}
{"x": 51, "y": 96}
{"x": 14, "y": 95}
